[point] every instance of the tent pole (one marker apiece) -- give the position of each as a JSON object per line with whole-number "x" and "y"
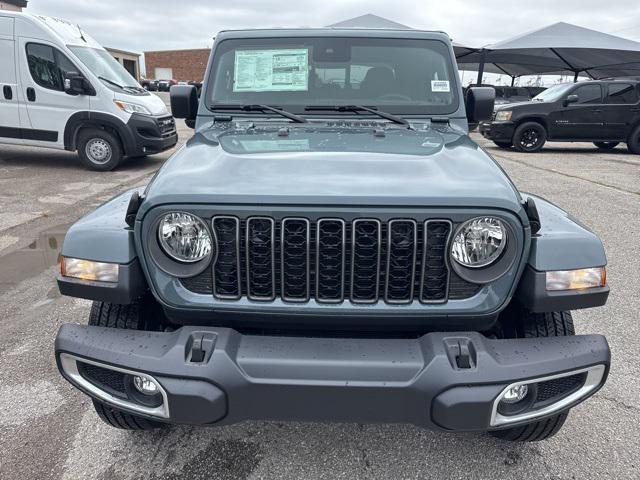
{"x": 575, "y": 76}
{"x": 483, "y": 56}
{"x": 513, "y": 81}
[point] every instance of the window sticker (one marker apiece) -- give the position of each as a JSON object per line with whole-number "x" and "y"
{"x": 440, "y": 86}
{"x": 284, "y": 70}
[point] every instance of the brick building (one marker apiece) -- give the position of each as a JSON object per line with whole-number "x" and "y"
{"x": 177, "y": 64}
{"x": 13, "y": 5}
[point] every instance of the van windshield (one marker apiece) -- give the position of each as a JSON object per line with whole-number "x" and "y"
{"x": 104, "y": 66}
{"x": 401, "y": 76}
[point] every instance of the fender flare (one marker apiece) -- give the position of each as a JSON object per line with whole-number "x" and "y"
{"x": 83, "y": 119}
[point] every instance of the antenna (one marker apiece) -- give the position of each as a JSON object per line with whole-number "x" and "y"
{"x": 81, "y": 36}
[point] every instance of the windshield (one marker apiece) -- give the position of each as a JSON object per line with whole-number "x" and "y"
{"x": 103, "y": 65}
{"x": 552, "y": 94}
{"x": 402, "y": 76}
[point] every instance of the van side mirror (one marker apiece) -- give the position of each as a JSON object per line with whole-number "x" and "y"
{"x": 479, "y": 103}
{"x": 75, "y": 84}
{"x": 184, "y": 103}
{"x": 571, "y": 99}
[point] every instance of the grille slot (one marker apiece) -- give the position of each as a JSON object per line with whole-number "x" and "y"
{"x": 294, "y": 257}
{"x": 366, "y": 253}
{"x": 402, "y": 243}
{"x": 261, "y": 274}
{"x": 226, "y": 272}
{"x": 364, "y": 261}
{"x": 330, "y": 260}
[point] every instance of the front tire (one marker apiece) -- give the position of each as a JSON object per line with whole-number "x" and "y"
{"x": 531, "y": 325}
{"x": 606, "y": 145}
{"x": 129, "y": 317}
{"x": 529, "y": 137}
{"x": 99, "y": 149}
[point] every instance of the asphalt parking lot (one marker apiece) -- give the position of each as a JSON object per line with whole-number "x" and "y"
{"x": 49, "y": 430}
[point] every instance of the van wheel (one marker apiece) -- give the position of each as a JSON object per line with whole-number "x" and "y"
{"x": 606, "y": 145}
{"x": 526, "y": 324}
{"x": 529, "y": 137}
{"x": 505, "y": 145}
{"x": 633, "y": 142}
{"x": 99, "y": 149}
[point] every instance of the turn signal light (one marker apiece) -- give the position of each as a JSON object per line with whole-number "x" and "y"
{"x": 89, "y": 270}
{"x": 577, "y": 279}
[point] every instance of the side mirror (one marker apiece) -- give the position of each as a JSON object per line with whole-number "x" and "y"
{"x": 479, "y": 103}
{"x": 571, "y": 99}
{"x": 74, "y": 84}
{"x": 184, "y": 103}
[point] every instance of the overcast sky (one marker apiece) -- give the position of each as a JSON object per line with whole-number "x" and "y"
{"x": 140, "y": 25}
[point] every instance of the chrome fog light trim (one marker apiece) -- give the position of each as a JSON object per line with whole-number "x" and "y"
{"x": 69, "y": 364}
{"x": 595, "y": 374}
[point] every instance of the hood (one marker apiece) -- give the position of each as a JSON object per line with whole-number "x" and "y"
{"x": 332, "y": 164}
{"x": 528, "y": 104}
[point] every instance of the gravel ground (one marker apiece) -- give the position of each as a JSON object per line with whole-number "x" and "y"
{"x": 49, "y": 430}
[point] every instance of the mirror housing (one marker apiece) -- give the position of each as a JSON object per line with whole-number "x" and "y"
{"x": 75, "y": 84}
{"x": 479, "y": 103}
{"x": 184, "y": 103}
{"x": 571, "y": 99}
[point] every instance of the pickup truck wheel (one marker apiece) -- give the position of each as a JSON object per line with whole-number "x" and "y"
{"x": 553, "y": 324}
{"x": 529, "y": 137}
{"x": 606, "y": 145}
{"x": 633, "y": 142}
{"x": 112, "y": 315}
{"x": 503, "y": 144}
{"x": 99, "y": 149}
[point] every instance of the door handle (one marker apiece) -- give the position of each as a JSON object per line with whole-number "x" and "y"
{"x": 8, "y": 93}
{"x": 597, "y": 111}
{"x": 31, "y": 94}
{"x": 634, "y": 110}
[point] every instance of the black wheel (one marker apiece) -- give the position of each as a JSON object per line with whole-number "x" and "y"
{"x": 99, "y": 149}
{"x": 529, "y": 137}
{"x": 606, "y": 145}
{"x": 130, "y": 317}
{"x": 506, "y": 145}
{"x": 633, "y": 142}
{"x": 530, "y": 325}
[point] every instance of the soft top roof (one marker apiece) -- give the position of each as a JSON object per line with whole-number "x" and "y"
{"x": 332, "y": 32}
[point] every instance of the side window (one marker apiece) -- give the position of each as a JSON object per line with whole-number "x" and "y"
{"x": 622, "y": 93}
{"x": 588, "y": 94}
{"x": 48, "y": 66}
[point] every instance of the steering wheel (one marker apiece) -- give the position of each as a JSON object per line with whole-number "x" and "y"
{"x": 394, "y": 96}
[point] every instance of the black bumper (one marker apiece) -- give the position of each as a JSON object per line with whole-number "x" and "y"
{"x": 148, "y": 135}
{"x": 441, "y": 381}
{"x": 497, "y": 131}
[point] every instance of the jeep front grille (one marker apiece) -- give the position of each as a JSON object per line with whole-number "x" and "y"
{"x": 331, "y": 260}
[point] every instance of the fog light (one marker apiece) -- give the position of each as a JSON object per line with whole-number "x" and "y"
{"x": 515, "y": 394}
{"x": 577, "y": 279}
{"x": 145, "y": 385}
{"x": 89, "y": 270}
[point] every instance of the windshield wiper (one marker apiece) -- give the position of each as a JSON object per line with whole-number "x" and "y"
{"x": 111, "y": 82}
{"x": 359, "y": 108}
{"x": 262, "y": 108}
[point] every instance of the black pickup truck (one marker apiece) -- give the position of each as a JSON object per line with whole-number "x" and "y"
{"x": 605, "y": 112}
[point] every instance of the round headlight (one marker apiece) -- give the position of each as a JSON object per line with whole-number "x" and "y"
{"x": 184, "y": 237}
{"x": 479, "y": 242}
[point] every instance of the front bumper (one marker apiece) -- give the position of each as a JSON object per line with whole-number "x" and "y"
{"x": 441, "y": 381}
{"x": 497, "y": 131}
{"x": 149, "y": 135}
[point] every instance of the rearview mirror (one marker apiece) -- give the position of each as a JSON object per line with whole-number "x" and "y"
{"x": 479, "y": 103}
{"x": 184, "y": 103}
{"x": 74, "y": 84}
{"x": 571, "y": 99}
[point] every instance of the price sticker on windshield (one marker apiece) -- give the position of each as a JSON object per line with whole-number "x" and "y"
{"x": 284, "y": 70}
{"x": 441, "y": 86}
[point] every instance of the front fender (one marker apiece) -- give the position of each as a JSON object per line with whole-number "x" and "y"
{"x": 562, "y": 243}
{"x": 104, "y": 236}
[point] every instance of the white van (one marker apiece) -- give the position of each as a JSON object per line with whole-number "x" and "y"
{"x": 59, "y": 88}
